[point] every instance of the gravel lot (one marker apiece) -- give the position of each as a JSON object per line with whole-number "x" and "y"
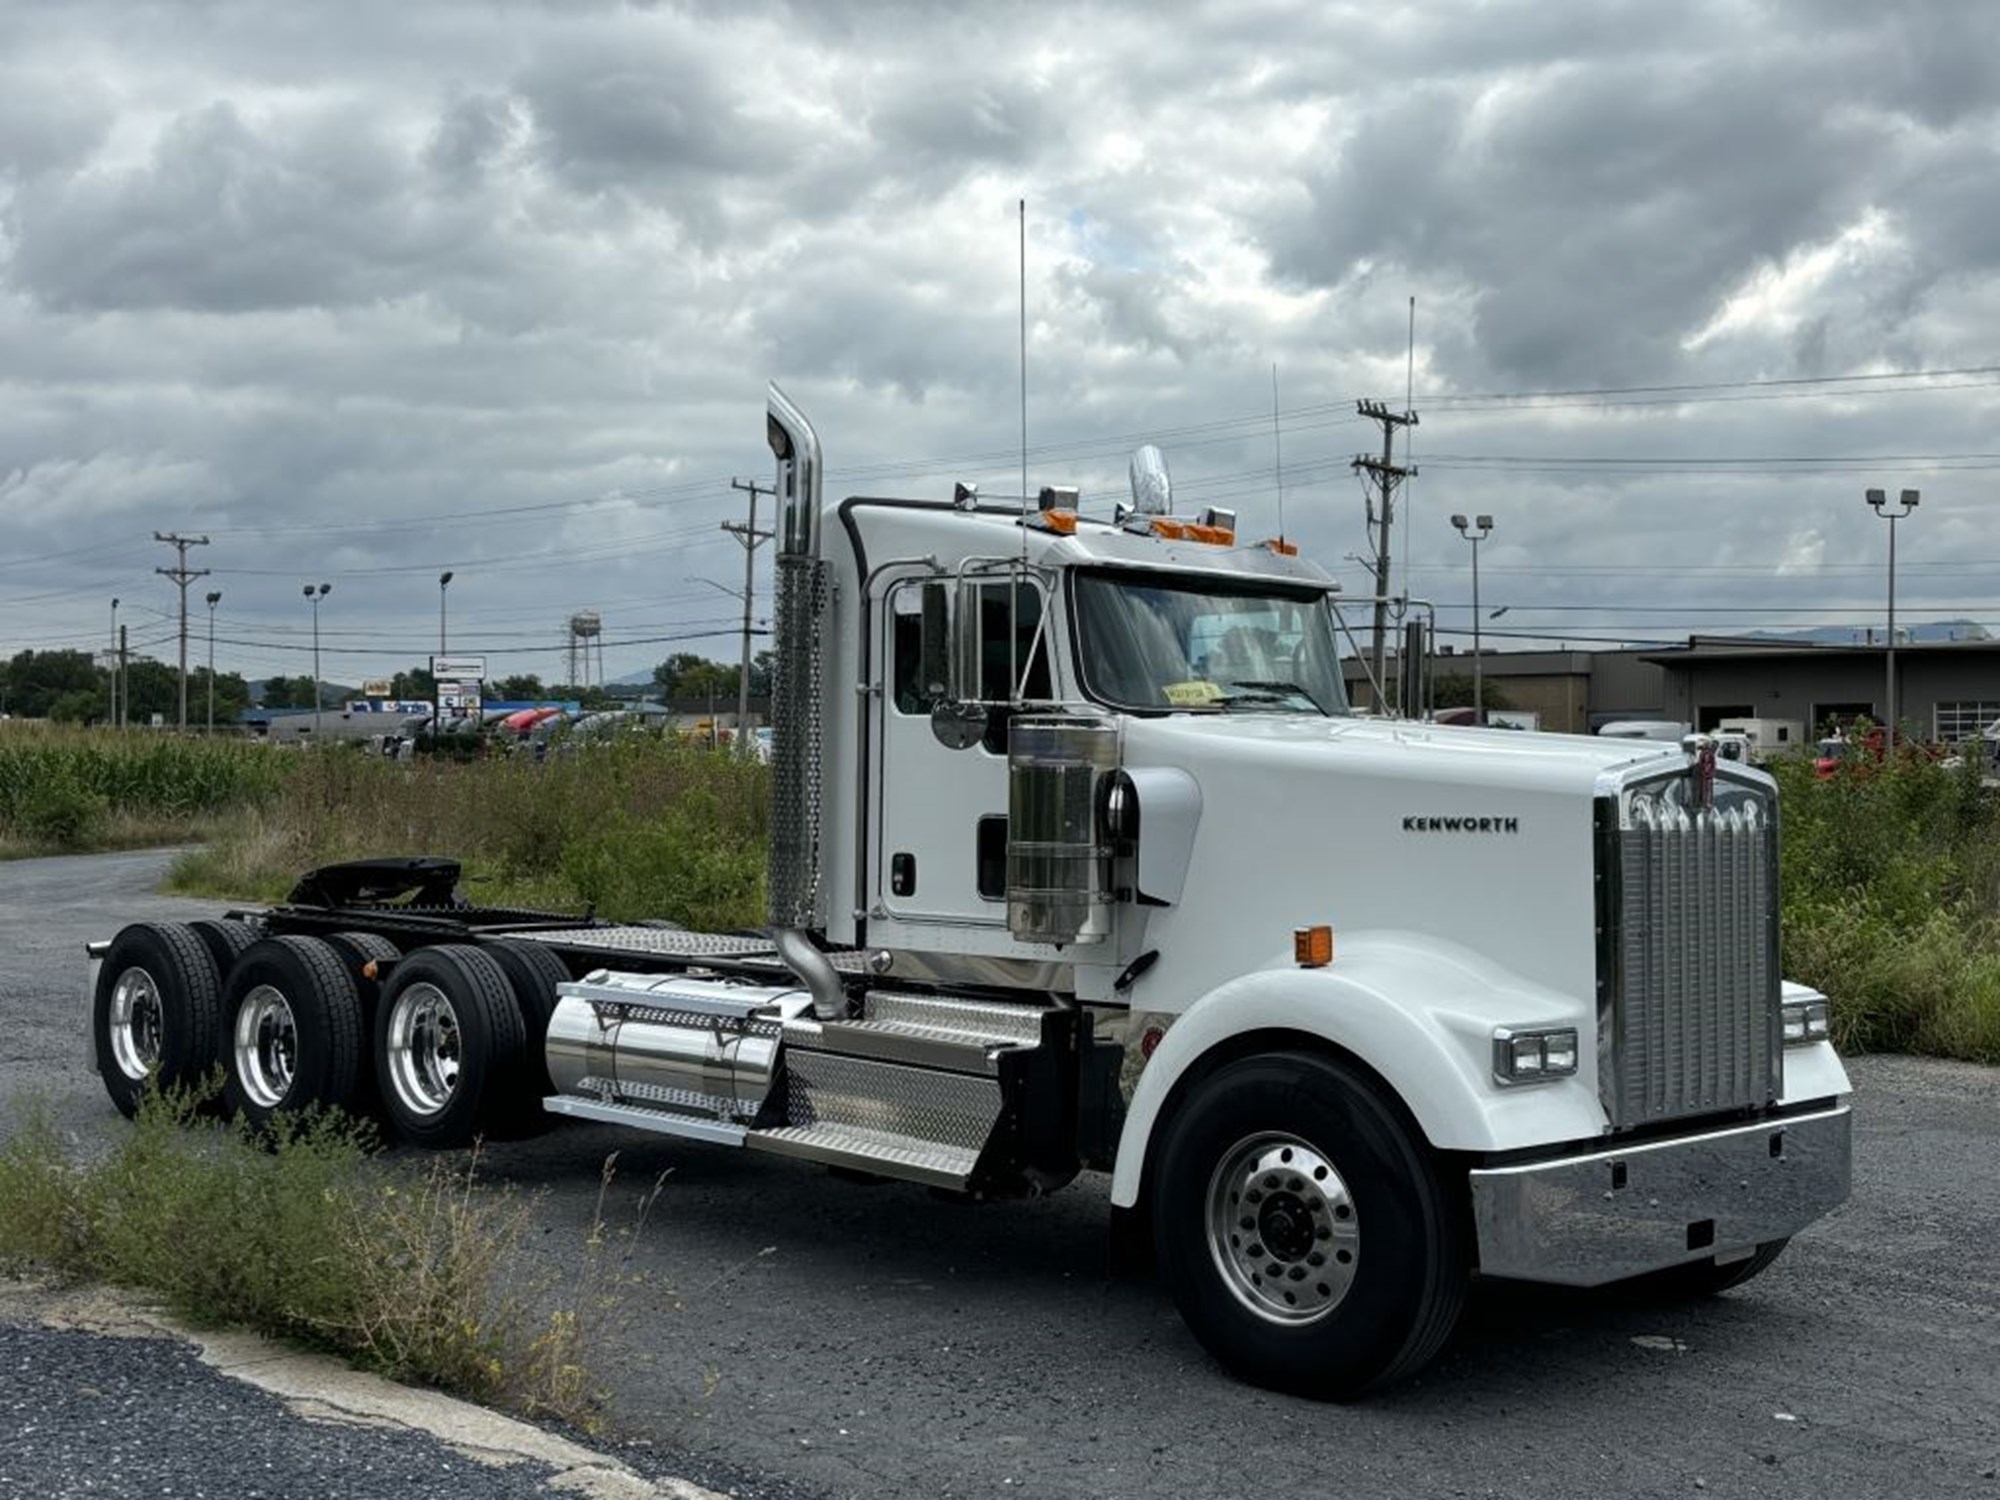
{"x": 786, "y": 1332}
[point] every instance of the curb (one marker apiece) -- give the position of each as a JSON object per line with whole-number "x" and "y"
{"x": 318, "y": 1388}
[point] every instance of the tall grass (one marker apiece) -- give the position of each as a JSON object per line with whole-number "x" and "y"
{"x": 419, "y": 1274}
{"x": 1891, "y": 879}
{"x": 637, "y": 828}
{"x": 66, "y": 789}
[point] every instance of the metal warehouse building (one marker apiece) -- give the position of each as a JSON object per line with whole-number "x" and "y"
{"x": 1948, "y": 690}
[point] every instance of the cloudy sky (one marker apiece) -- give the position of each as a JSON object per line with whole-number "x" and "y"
{"x": 368, "y": 291}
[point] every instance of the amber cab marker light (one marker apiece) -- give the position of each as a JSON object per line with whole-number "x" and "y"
{"x": 1312, "y": 946}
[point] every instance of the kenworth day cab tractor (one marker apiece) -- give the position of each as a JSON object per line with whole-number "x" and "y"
{"x": 1079, "y": 861}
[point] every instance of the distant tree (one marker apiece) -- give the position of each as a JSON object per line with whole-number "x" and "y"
{"x": 34, "y": 680}
{"x": 289, "y": 692}
{"x": 232, "y": 696}
{"x": 1454, "y": 690}
{"x": 81, "y": 706}
{"x": 524, "y": 685}
{"x": 153, "y": 687}
{"x": 416, "y": 683}
{"x": 668, "y": 674}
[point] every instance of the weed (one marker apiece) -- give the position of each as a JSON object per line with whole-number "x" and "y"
{"x": 304, "y": 1234}
{"x": 1891, "y": 884}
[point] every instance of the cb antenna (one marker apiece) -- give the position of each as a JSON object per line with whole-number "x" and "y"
{"x": 1024, "y": 362}
{"x": 1277, "y": 452}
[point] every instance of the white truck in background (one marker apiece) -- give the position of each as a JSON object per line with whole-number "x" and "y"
{"x": 1768, "y": 737}
{"x": 1080, "y": 862}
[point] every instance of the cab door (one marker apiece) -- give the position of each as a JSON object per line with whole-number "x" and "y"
{"x": 940, "y": 825}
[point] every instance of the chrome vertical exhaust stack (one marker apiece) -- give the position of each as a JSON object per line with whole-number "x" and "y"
{"x": 805, "y": 589}
{"x": 796, "y": 447}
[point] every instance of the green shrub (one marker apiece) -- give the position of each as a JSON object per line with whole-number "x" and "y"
{"x": 57, "y": 808}
{"x": 1891, "y": 881}
{"x": 299, "y": 1233}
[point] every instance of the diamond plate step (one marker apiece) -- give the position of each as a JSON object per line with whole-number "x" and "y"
{"x": 909, "y": 1122}
{"x": 931, "y": 1031}
{"x": 870, "y": 1150}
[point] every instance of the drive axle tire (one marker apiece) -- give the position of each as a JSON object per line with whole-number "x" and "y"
{"x": 291, "y": 1030}
{"x": 225, "y": 938}
{"x": 533, "y": 972}
{"x": 450, "y": 1048}
{"x": 1303, "y": 1228}
{"x": 153, "y": 1013}
{"x": 357, "y": 950}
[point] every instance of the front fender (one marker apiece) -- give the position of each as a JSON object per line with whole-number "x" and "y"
{"x": 1420, "y": 1013}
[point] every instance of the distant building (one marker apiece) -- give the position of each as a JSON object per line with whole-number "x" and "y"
{"x": 1947, "y": 690}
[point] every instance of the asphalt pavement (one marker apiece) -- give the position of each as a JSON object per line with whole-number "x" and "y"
{"x": 781, "y": 1331}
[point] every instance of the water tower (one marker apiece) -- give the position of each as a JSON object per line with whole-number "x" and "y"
{"x": 585, "y": 626}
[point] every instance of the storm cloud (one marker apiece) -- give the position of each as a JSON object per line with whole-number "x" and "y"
{"x": 372, "y": 291}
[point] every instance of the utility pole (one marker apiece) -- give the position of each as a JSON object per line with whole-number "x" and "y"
{"x": 747, "y": 533}
{"x": 214, "y": 598}
{"x": 183, "y": 575}
{"x": 111, "y": 664}
{"x": 1384, "y": 474}
{"x": 125, "y": 681}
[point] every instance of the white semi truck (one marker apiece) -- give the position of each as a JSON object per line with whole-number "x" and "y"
{"x": 1079, "y": 862}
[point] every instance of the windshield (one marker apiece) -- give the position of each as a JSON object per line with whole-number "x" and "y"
{"x": 1148, "y": 641}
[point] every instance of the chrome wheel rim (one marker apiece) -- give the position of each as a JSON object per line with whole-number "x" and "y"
{"x": 266, "y": 1046}
{"x": 425, "y": 1048}
{"x": 136, "y": 1022}
{"x": 1282, "y": 1229}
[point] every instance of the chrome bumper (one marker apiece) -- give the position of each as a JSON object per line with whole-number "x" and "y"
{"x": 1586, "y": 1220}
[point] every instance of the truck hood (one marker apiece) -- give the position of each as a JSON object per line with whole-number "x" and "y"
{"x": 1397, "y": 750}
{"x": 1480, "y": 837}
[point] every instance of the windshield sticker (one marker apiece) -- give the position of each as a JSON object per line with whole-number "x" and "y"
{"x": 1193, "y": 694}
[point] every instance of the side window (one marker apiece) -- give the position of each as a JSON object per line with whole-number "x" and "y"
{"x": 1012, "y": 648}
{"x": 906, "y": 645}
{"x": 1020, "y": 656}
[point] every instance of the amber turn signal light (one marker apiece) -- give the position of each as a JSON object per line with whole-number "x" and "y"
{"x": 1312, "y": 946}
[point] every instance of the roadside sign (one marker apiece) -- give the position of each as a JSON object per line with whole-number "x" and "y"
{"x": 462, "y": 667}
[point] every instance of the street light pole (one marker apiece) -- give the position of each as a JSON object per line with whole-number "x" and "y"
{"x": 1908, "y": 500}
{"x": 315, "y": 595}
{"x": 444, "y": 579}
{"x": 1485, "y": 528}
{"x": 114, "y": 664}
{"x": 213, "y": 600}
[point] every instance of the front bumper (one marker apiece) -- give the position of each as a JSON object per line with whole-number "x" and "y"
{"x": 1587, "y": 1220}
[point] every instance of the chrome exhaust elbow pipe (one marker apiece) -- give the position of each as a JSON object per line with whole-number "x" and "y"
{"x": 796, "y": 447}
{"x": 814, "y": 970}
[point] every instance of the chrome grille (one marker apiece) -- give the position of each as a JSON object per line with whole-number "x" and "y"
{"x": 1688, "y": 969}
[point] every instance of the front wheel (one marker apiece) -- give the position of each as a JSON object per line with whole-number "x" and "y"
{"x": 1303, "y": 1228}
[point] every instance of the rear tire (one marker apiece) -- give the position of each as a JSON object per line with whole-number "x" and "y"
{"x": 153, "y": 1014}
{"x": 357, "y": 950}
{"x": 291, "y": 1030}
{"x": 1304, "y": 1229}
{"x": 450, "y": 1047}
{"x": 533, "y": 973}
{"x": 225, "y": 938}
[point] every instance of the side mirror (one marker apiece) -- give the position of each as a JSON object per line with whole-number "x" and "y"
{"x": 936, "y": 656}
{"x": 948, "y": 621}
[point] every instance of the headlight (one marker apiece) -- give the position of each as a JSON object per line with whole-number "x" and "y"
{"x": 1531, "y": 1054}
{"x": 1806, "y": 1020}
